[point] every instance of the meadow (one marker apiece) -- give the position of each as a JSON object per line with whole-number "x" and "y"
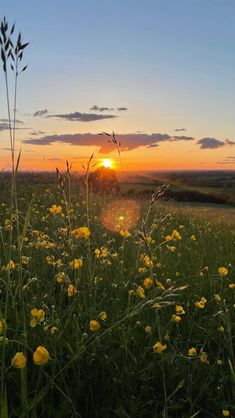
{"x": 117, "y": 306}
{"x": 114, "y": 307}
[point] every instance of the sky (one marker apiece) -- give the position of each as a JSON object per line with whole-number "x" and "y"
{"x": 159, "y": 73}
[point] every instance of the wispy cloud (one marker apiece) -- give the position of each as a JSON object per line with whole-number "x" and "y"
{"x": 108, "y": 109}
{"x": 128, "y": 141}
{"x": 42, "y": 112}
{"x": 4, "y": 124}
{"x": 213, "y": 143}
{"x": 35, "y": 133}
{"x": 81, "y": 117}
{"x": 180, "y": 129}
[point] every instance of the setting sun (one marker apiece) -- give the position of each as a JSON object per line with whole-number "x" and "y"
{"x": 107, "y": 163}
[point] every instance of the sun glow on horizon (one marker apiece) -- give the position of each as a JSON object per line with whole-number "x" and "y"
{"x": 107, "y": 163}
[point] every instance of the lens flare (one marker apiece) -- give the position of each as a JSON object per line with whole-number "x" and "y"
{"x": 120, "y": 214}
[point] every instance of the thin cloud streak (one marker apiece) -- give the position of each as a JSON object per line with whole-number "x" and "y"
{"x": 81, "y": 117}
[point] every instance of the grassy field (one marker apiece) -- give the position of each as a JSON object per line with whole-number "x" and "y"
{"x": 114, "y": 308}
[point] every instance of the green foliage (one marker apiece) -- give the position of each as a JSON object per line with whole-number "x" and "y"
{"x": 115, "y": 370}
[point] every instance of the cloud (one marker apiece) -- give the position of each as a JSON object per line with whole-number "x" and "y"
{"x": 81, "y": 117}
{"x": 213, "y": 143}
{"x": 109, "y": 109}
{"x": 40, "y": 112}
{"x": 101, "y": 109}
{"x": 4, "y": 124}
{"x": 180, "y": 129}
{"x": 128, "y": 141}
{"x": 35, "y": 133}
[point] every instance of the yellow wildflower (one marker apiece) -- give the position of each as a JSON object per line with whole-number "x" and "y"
{"x": 60, "y": 277}
{"x": 24, "y": 260}
{"x": 159, "y": 347}
{"x": 217, "y": 298}
{"x": 76, "y": 263}
{"x": 176, "y": 318}
{"x": 142, "y": 270}
{"x": 125, "y": 233}
{"x": 102, "y": 315}
{"x": 160, "y": 285}
{"x": 55, "y": 210}
{"x": 19, "y": 361}
{"x": 38, "y": 315}
{"x": 140, "y": 292}
{"x": 193, "y": 238}
{"x": 226, "y": 413}
{"x": 41, "y": 356}
{"x": 146, "y": 260}
{"x": 231, "y": 286}
{"x": 203, "y": 357}
{"x": 168, "y": 238}
{"x": 171, "y": 248}
{"x": 94, "y": 325}
{"x": 179, "y": 310}
{"x": 221, "y": 329}
{"x": 102, "y": 252}
{"x": 148, "y": 329}
{"x": 11, "y": 265}
{"x": 192, "y": 352}
{"x": 50, "y": 259}
{"x": 71, "y": 290}
{"x": 176, "y": 235}
{"x": 223, "y": 271}
{"x": 148, "y": 282}
{"x": 81, "y": 232}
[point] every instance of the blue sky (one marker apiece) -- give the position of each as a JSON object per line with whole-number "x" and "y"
{"x": 170, "y": 62}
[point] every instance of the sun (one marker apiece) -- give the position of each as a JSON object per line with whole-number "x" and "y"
{"x": 107, "y": 163}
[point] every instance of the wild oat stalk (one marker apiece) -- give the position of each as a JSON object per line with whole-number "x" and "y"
{"x": 118, "y": 144}
{"x": 11, "y": 56}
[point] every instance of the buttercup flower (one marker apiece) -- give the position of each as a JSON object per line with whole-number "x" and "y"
{"x": 203, "y": 357}
{"x": 81, "y": 232}
{"x": 38, "y": 315}
{"x": 179, "y": 310}
{"x": 125, "y": 233}
{"x": 175, "y": 235}
{"x": 192, "y": 352}
{"x": 55, "y": 210}
{"x": 159, "y": 347}
{"x": 76, "y": 263}
{"x": 148, "y": 282}
{"x": 102, "y": 315}
{"x": 102, "y": 252}
{"x": 223, "y": 271}
{"x": 140, "y": 292}
{"x": 94, "y": 325}
{"x": 41, "y": 356}
{"x": 19, "y": 361}
{"x": 11, "y": 265}
{"x": 148, "y": 329}
{"x": 71, "y": 290}
{"x": 176, "y": 318}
